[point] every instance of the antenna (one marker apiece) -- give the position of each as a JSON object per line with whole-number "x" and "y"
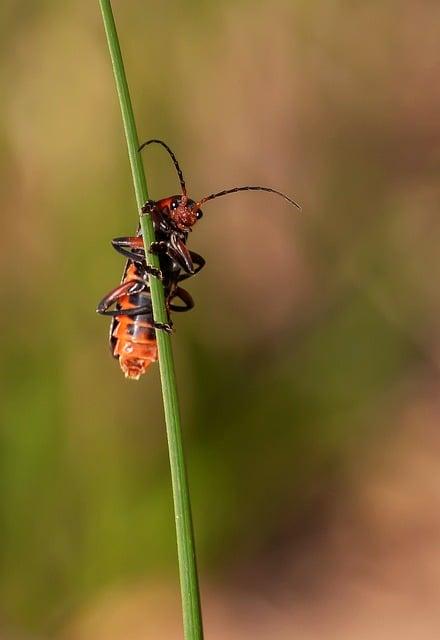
{"x": 248, "y": 188}
{"x": 173, "y": 158}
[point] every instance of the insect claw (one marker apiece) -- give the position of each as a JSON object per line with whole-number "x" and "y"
{"x": 164, "y": 326}
{"x": 158, "y": 247}
{"x": 153, "y": 271}
{"x": 148, "y": 208}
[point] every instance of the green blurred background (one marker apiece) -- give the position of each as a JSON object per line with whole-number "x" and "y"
{"x": 308, "y": 371}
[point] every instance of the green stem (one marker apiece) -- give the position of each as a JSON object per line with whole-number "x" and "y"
{"x": 192, "y": 617}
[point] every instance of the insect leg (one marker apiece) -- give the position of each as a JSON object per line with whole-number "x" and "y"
{"x": 199, "y": 263}
{"x": 132, "y": 286}
{"x": 164, "y": 326}
{"x": 132, "y": 311}
{"x": 185, "y": 297}
{"x": 159, "y": 248}
{"x": 134, "y": 244}
{"x": 139, "y": 311}
{"x": 179, "y": 253}
{"x": 148, "y": 208}
{"x": 132, "y": 247}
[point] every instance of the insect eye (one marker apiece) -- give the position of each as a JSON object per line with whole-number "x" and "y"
{"x": 199, "y": 214}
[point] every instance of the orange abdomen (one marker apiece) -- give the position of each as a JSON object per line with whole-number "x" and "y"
{"x": 133, "y": 338}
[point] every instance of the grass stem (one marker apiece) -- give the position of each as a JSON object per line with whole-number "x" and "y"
{"x": 192, "y": 618}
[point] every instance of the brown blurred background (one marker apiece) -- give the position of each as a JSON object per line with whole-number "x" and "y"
{"x": 309, "y": 369}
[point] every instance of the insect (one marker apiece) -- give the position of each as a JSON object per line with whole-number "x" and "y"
{"x": 133, "y": 329}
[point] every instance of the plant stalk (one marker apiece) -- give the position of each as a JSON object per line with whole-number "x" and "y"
{"x": 192, "y": 617}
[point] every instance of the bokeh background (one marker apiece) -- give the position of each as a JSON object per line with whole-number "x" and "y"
{"x": 309, "y": 369}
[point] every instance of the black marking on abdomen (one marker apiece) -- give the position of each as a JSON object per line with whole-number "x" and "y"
{"x": 140, "y": 332}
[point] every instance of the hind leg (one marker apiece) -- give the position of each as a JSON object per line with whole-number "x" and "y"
{"x": 185, "y": 297}
{"x": 131, "y": 286}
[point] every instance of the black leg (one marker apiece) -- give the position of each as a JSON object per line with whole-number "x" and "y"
{"x": 159, "y": 248}
{"x": 163, "y": 248}
{"x": 154, "y": 271}
{"x": 185, "y": 297}
{"x": 199, "y": 263}
{"x": 131, "y": 312}
{"x": 130, "y": 246}
{"x": 177, "y": 250}
{"x": 183, "y": 254}
{"x": 133, "y": 249}
{"x": 132, "y": 286}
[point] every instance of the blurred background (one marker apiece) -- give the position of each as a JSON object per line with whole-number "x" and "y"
{"x": 309, "y": 369}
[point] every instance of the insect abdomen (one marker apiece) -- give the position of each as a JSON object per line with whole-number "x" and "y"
{"x": 133, "y": 338}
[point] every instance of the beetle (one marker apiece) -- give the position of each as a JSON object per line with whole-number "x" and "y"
{"x": 133, "y": 328}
